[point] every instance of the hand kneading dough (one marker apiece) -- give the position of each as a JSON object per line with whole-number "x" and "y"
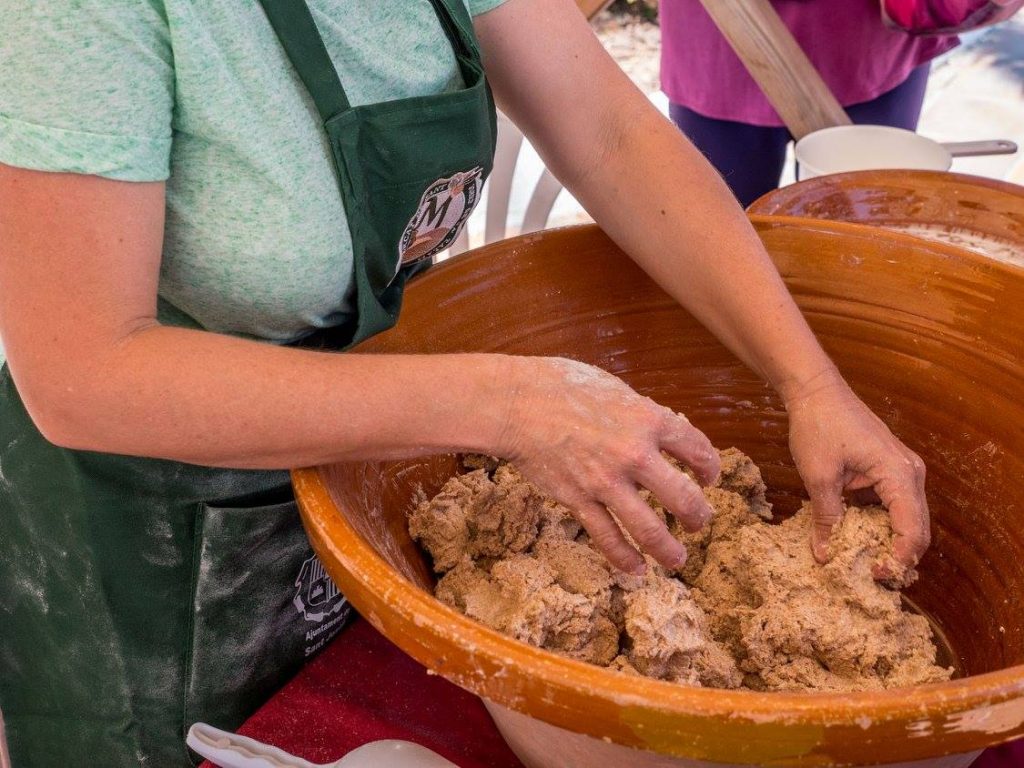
{"x": 750, "y": 608}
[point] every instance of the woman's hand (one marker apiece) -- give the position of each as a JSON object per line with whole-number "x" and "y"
{"x": 589, "y": 441}
{"x": 840, "y": 446}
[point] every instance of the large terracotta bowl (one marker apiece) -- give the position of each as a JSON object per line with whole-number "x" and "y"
{"x": 930, "y": 336}
{"x": 969, "y": 211}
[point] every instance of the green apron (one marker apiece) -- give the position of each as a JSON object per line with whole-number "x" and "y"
{"x": 138, "y": 595}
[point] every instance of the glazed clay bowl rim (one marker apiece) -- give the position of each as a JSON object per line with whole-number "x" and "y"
{"x": 414, "y": 618}
{"x": 871, "y": 179}
{"x": 839, "y": 227}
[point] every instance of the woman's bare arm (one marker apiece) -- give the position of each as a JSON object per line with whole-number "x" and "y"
{"x": 79, "y": 265}
{"x": 661, "y": 201}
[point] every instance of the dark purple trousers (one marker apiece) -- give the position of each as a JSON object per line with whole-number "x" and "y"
{"x": 750, "y": 157}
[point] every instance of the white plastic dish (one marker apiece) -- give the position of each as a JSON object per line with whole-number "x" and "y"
{"x": 229, "y": 750}
{"x": 871, "y": 147}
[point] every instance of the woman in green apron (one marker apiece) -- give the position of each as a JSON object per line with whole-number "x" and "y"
{"x": 182, "y": 183}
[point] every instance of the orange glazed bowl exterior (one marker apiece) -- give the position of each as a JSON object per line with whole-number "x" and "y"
{"x": 930, "y": 336}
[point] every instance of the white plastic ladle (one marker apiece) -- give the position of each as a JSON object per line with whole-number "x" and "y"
{"x": 229, "y": 750}
{"x": 868, "y": 147}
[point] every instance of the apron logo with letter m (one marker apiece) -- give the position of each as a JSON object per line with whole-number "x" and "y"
{"x": 317, "y": 596}
{"x": 442, "y": 212}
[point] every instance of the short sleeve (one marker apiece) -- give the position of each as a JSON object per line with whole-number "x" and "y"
{"x": 476, "y": 7}
{"x": 87, "y": 86}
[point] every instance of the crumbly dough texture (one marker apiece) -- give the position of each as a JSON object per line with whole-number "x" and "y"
{"x": 750, "y": 607}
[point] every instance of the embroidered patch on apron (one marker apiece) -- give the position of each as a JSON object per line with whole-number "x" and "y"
{"x": 319, "y": 601}
{"x": 442, "y": 212}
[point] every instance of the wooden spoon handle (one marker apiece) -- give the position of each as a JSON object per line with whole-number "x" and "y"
{"x": 778, "y": 64}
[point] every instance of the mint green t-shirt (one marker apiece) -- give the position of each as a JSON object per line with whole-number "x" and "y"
{"x": 201, "y": 94}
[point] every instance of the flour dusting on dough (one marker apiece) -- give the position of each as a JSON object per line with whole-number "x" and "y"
{"x": 750, "y": 607}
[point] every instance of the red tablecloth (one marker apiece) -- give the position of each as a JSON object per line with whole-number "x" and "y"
{"x": 363, "y": 688}
{"x": 1006, "y": 756}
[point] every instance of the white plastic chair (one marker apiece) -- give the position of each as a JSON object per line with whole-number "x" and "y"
{"x": 499, "y": 192}
{"x": 506, "y": 157}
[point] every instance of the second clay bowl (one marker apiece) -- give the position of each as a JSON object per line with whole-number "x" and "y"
{"x": 982, "y": 215}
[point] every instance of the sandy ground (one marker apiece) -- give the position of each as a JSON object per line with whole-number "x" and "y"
{"x": 977, "y": 92}
{"x": 634, "y": 44}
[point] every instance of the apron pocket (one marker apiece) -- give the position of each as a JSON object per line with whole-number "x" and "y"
{"x": 262, "y": 605}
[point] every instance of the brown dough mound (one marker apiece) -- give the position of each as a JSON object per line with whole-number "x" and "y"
{"x": 749, "y": 608}
{"x": 521, "y": 597}
{"x": 477, "y": 515}
{"x": 667, "y": 637}
{"x": 796, "y": 626}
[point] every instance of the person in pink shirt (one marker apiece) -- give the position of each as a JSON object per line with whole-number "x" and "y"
{"x": 878, "y": 73}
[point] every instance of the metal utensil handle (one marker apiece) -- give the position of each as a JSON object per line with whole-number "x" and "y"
{"x": 980, "y": 148}
{"x": 229, "y": 750}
